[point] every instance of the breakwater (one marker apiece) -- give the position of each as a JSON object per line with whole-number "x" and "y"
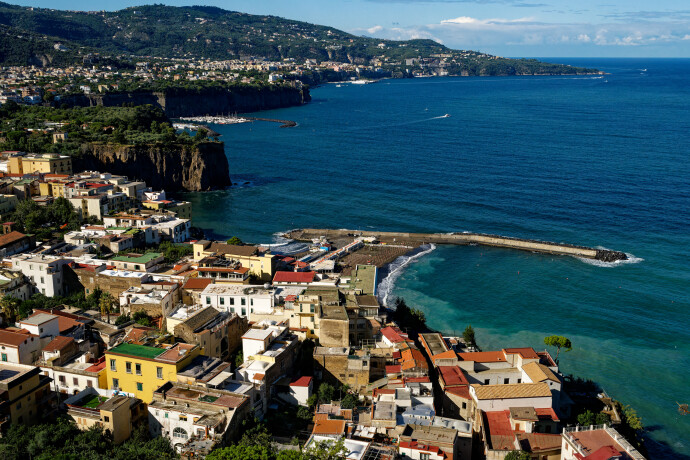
{"x": 545, "y": 247}
{"x": 283, "y": 123}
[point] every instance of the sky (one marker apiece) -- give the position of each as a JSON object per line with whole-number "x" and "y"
{"x": 511, "y": 28}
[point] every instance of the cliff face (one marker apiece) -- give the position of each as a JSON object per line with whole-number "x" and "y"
{"x": 182, "y": 102}
{"x": 178, "y": 167}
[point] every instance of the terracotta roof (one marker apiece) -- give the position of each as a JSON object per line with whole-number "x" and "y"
{"x": 499, "y": 431}
{"x": 14, "y": 339}
{"x": 483, "y": 356}
{"x": 422, "y": 448}
{"x": 412, "y": 358}
{"x": 460, "y": 391}
{"x": 294, "y": 277}
{"x": 537, "y": 372}
{"x": 11, "y": 237}
{"x": 393, "y": 334}
{"x": 327, "y": 427}
{"x": 539, "y": 442}
{"x": 393, "y": 369}
{"x": 449, "y": 354}
{"x": 452, "y": 376}
{"x": 301, "y": 382}
{"x": 592, "y": 440}
{"x": 604, "y": 453}
{"x": 58, "y": 343}
{"x": 512, "y": 391}
{"x": 525, "y": 352}
{"x": 547, "y": 413}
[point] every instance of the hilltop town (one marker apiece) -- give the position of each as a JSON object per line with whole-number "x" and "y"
{"x": 118, "y": 314}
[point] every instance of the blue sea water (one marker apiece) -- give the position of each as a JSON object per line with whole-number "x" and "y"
{"x": 592, "y": 160}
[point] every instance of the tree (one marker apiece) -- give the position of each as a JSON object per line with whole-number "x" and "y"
{"x": 632, "y": 419}
{"x": 105, "y": 304}
{"x": 586, "y": 418}
{"x": 10, "y": 308}
{"x": 518, "y": 455}
{"x": 235, "y": 241}
{"x": 469, "y": 337}
{"x": 142, "y": 318}
{"x": 602, "y": 419}
{"x": 350, "y": 401}
{"x": 122, "y": 319}
{"x": 559, "y": 342}
{"x": 326, "y": 392}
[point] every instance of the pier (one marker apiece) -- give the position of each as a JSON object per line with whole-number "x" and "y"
{"x": 544, "y": 247}
{"x": 283, "y": 123}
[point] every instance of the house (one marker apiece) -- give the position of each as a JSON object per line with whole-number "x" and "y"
{"x": 192, "y": 289}
{"x": 25, "y": 396}
{"x": 259, "y": 263}
{"x": 287, "y": 278}
{"x": 14, "y": 283}
{"x": 156, "y": 301}
{"x": 140, "y": 369}
{"x": 336, "y": 365}
{"x": 240, "y": 300}
{"x": 72, "y": 374}
{"x": 521, "y": 428}
{"x": 186, "y": 414}
{"x": 18, "y": 347}
{"x": 46, "y": 272}
{"x": 117, "y": 414}
{"x": 599, "y": 442}
{"x": 216, "y": 332}
{"x": 435, "y": 439}
{"x": 14, "y": 242}
{"x": 148, "y": 262}
{"x": 503, "y": 397}
{"x": 299, "y": 391}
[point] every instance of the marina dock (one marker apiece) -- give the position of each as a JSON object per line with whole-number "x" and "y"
{"x": 544, "y": 247}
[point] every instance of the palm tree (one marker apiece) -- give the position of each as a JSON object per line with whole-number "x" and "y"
{"x": 105, "y": 303}
{"x": 10, "y": 308}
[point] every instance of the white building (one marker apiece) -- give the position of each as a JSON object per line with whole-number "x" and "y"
{"x": 45, "y": 271}
{"x": 19, "y": 348}
{"x": 43, "y": 325}
{"x": 242, "y": 300}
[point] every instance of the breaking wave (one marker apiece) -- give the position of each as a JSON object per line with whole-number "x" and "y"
{"x": 600, "y": 263}
{"x": 395, "y": 269}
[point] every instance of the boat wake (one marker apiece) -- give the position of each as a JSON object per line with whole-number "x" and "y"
{"x": 395, "y": 269}
{"x": 600, "y": 263}
{"x": 285, "y": 246}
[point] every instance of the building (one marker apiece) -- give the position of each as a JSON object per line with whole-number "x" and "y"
{"x": 521, "y": 428}
{"x": 338, "y": 366}
{"x": 72, "y": 374}
{"x": 14, "y": 283}
{"x": 25, "y": 396}
{"x": 435, "y": 440}
{"x": 19, "y": 348}
{"x": 155, "y": 301}
{"x": 117, "y": 414}
{"x": 240, "y": 300}
{"x": 260, "y": 264}
{"x": 223, "y": 271}
{"x": 13, "y": 242}
{"x": 192, "y": 289}
{"x": 139, "y": 370}
{"x": 138, "y": 262}
{"x": 599, "y": 442}
{"x": 47, "y": 163}
{"x": 46, "y": 272}
{"x": 188, "y": 415}
{"x": 503, "y": 397}
{"x": 217, "y": 333}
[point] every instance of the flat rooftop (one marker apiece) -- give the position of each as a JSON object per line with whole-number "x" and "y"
{"x": 139, "y": 351}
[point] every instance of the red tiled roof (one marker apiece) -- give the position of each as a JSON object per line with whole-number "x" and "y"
{"x": 525, "y": 352}
{"x": 604, "y": 453}
{"x": 460, "y": 391}
{"x": 336, "y": 427}
{"x": 197, "y": 283}
{"x": 394, "y": 369}
{"x": 301, "y": 382}
{"x": 547, "y": 413}
{"x": 294, "y": 277}
{"x": 58, "y": 343}
{"x": 393, "y": 334}
{"x": 14, "y": 339}
{"x": 10, "y": 238}
{"x": 448, "y": 354}
{"x": 452, "y": 376}
{"x": 498, "y": 427}
{"x": 65, "y": 321}
{"x": 421, "y": 447}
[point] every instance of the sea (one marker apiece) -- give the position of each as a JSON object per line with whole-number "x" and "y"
{"x": 597, "y": 160}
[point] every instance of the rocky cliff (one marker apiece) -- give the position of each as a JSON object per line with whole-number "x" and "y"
{"x": 177, "y": 167}
{"x": 187, "y": 102}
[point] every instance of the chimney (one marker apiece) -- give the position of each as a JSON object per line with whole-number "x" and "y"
{"x": 7, "y": 227}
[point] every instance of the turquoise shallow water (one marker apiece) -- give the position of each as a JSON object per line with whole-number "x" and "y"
{"x": 586, "y": 160}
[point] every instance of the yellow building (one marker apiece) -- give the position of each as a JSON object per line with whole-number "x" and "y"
{"x": 25, "y": 395}
{"x": 54, "y": 189}
{"x": 262, "y": 265}
{"x": 181, "y": 209}
{"x": 47, "y": 163}
{"x": 140, "y": 369}
{"x": 115, "y": 414}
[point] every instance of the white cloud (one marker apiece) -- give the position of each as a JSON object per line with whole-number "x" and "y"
{"x": 375, "y": 29}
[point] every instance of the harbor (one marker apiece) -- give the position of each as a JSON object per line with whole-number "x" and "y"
{"x": 227, "y": 120}
{"x": 416, "y": 239}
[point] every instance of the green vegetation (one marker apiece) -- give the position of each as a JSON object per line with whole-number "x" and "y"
{"x": 139, "y": 317}
{"x": 235, "y": 241}
{"x": 63, "y": 440}
{"x": 468, "y": 336}
{"x": 406, "y": 317}
{"x": 144, "y": 124}
{"x": 256, "y": 445}
{"x": 590, "y": 418}
{"x": 78, "y": 300}
{"x": 43, "y": 221}
{"x": 559, "y": 342}
{"x": 172, "y": 252}
{"x": 518, "y": 455}
{"x": 214, "y": 33}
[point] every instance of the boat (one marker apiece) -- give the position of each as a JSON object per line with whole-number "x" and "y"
{"x": 362, "y": 82}
{"x": 446, "y": 116}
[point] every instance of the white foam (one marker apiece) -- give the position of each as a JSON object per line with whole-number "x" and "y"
{"x": 600, "y": 263}
{"x": 395, "y": 269}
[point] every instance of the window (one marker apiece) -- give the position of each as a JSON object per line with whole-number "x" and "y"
{"x": 243, "y": 301}
{"x": 232, "y": 301}
{"x": 106, "y": 418}
{"x": 140, "y": 386}
{"x": 4, "y": 356}
{"x": 222, "y": 300}
{"x": 519, "y": 380}
{"x": 112, "y": 365}
{"x": 244, "y": 311}
{"x": 464, "y": 405}
{"x": 75, "y": 381}
{"x": 486, "y": 381}
{"x": 179, "y": 433}
{"x": 506, "y": 381}
{"x": 137, "y": 368}
{"x": 208, "y": 301}
{"x": 89, "y": 383}
{"x": 166, "y": 415}
{"x": 424, "y": 456}
{"x": 311, "y": 308}
{"x": 251, "y": 302}
{"x": 128, "y": 367}
{"x": 116, "y": 384}
{"x": 183, "y": 418}
{"x": 62, "y": 379}
{"x": 159, "y": 372}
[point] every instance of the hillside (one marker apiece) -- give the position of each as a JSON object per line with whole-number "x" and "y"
{"x": 208, "y": 32}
